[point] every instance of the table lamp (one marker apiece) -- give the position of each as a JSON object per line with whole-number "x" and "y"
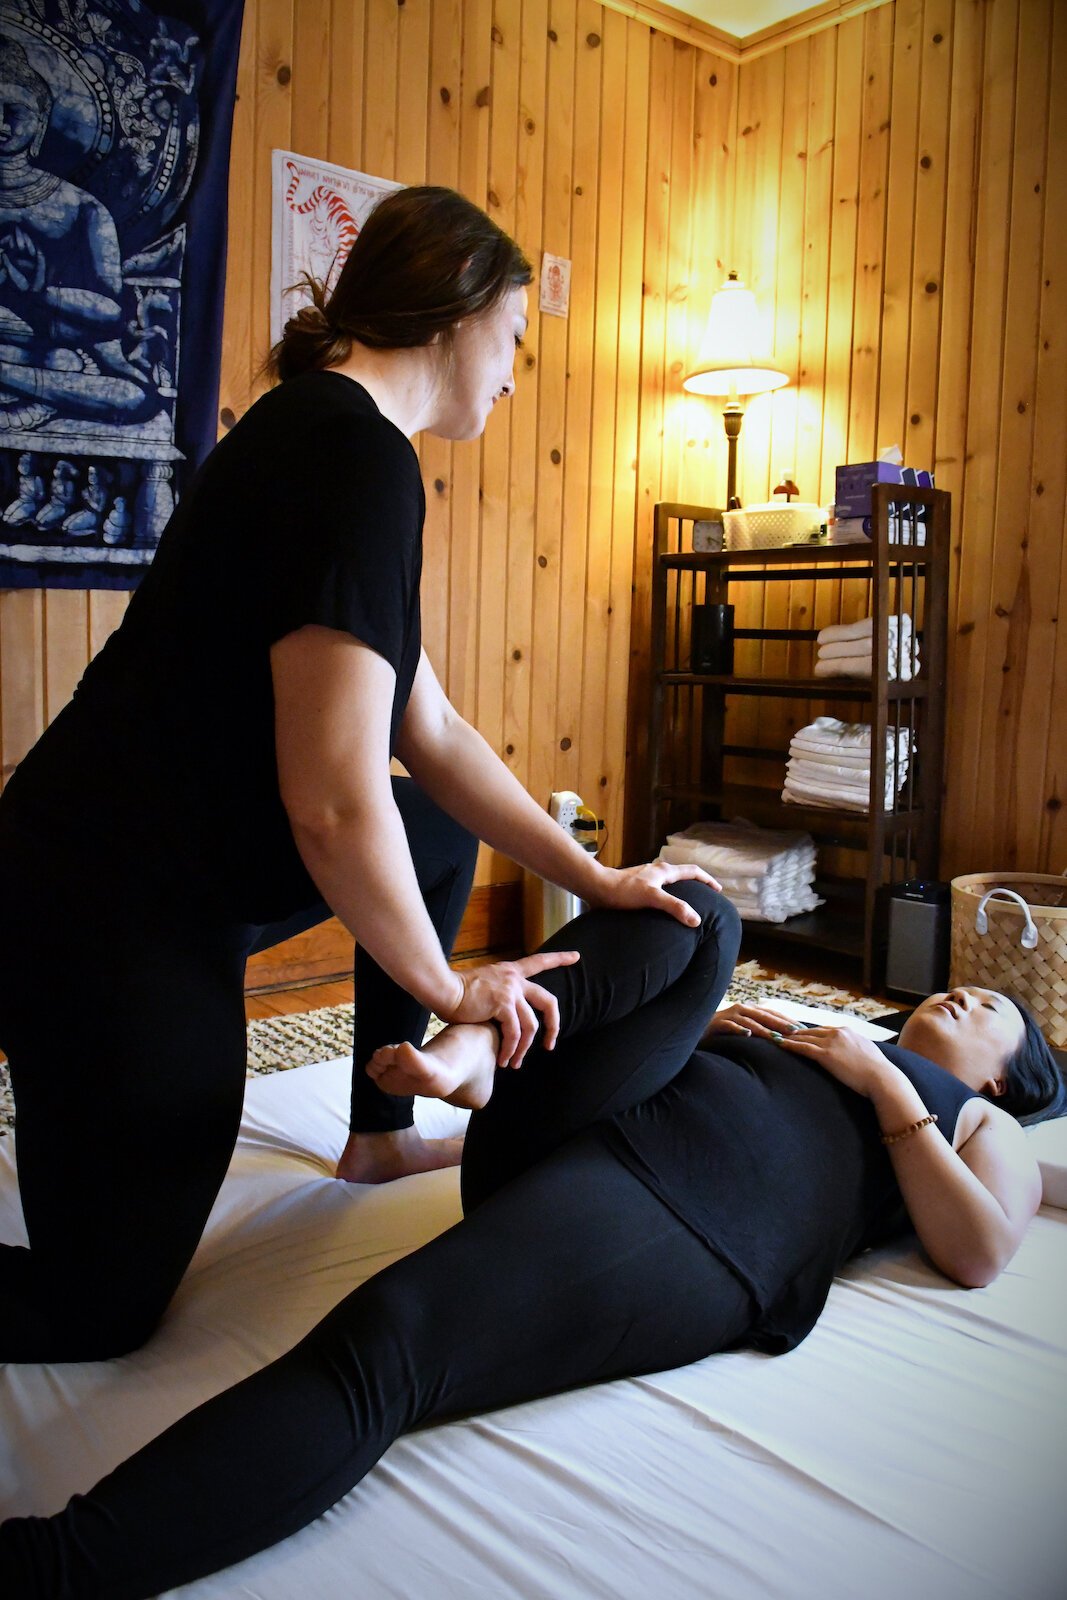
{"x": 729, "y": 364}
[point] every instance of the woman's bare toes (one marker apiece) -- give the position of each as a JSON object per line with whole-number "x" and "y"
{"x": 456, "y": 1065}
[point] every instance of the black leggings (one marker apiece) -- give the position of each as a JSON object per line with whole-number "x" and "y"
{"x": 566, "y": 1270}
{"x": 123, "y": 1021}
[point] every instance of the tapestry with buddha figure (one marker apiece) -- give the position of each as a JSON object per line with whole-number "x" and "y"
{"x": 115, "y": 120}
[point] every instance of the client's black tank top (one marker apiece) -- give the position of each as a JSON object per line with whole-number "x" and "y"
{"x": 778, "y": 1168}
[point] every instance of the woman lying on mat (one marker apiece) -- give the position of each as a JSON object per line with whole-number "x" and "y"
{"x": 654, "y": 1190}
{"x": 220, "y": 781}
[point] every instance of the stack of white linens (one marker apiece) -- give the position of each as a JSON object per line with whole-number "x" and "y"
{"x": 767, "y": 874}
{"x": 846, "y": 650}
{"x": 830, "y": 765}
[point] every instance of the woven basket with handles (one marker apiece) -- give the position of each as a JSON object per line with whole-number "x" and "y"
{"x": 1009, "y": 932}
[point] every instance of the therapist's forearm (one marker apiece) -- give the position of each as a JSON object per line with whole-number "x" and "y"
{"x": 468, "y": 780}
{"x": 361, "y": 863}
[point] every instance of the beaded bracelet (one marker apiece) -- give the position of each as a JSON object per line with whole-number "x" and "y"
{"x": 906, "y": 1133}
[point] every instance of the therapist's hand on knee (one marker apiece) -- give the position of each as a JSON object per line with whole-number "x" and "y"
{"x": 645, "y": 888}
{"x": 502, "y": 992}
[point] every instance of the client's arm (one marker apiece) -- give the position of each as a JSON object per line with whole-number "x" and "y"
{"x": 970, "y": 1204}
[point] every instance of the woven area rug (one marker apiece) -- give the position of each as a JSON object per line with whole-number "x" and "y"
{"x": 276, "y": 1043}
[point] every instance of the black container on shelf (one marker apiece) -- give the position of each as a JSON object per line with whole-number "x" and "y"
{"x": 712, "y": 646}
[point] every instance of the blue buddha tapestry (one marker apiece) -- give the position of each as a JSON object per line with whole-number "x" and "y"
{"x": 115, "y": 120}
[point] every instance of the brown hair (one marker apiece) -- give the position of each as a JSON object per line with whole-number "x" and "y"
{"x": 425, "y": 259}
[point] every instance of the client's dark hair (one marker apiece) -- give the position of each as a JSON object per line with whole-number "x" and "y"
{"x": 1035, "y": 1088}
{"x": 425, "y": 259}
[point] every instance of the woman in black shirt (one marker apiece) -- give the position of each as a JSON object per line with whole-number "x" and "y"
{"x": 221, "y": 779}
{"x": 656, "y": 1189}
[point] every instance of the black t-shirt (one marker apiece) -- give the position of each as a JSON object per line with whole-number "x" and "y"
{"x": 779, "y": 1168}
{"x": 309, "y": 511}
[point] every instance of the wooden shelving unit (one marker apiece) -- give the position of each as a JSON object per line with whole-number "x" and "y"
{"x": 688, "y": 751}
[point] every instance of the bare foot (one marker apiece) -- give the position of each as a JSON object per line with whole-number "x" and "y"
{"x": 457, "y": 1065}
{"x": 381, "y": 1157}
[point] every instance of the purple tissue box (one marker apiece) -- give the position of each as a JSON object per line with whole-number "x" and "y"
{"x": 854, "y": 485}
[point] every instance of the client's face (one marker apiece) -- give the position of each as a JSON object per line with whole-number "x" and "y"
{"x": 973, "y": 1033}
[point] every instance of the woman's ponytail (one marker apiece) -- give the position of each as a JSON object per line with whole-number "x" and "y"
{"x": 310, "y": 340}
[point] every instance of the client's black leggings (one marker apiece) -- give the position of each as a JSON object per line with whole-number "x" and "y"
{"x": 565, "y": 1271}
{"x": 122, "y": 1015}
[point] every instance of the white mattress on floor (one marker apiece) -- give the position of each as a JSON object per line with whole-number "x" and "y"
{"x": 913, "y": 1448}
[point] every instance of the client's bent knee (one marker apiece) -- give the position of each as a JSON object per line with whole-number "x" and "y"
{"x": 714, "y": 909}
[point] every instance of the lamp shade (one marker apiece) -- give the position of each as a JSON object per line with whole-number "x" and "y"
{"x": 730, "y": 361}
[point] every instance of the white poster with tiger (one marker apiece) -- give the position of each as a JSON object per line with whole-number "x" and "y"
{"x": 317, "y": 211}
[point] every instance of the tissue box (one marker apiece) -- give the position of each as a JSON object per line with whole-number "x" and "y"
{"x": 854, "y": 485}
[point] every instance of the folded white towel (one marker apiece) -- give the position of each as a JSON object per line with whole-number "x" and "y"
{"x": 836, "y": 777}
{"x": 828, "y": 755}
{"x": 827, "y": 733}
{"x": 840, "y": 798}
{"x": 851, "y": 643}
{"x": 845, "y": 647}
{"x": 826, "y": 801}
{"x": 850, "y": 632}
{"x": 845, "y": 667}
{"x": 838, "y": 631}
{"x": 767, "y": 873}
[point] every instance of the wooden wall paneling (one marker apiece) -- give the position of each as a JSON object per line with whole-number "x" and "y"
{"x": 1049, "y": 497}
{"x": 756, "y": 247}
{"x": 522, "y": 519}
{"x": 714, "y": 135}
{"x": 580, "y": 573}
{"x": 598, "y": 709}
{"x": 22, "y": 675}
{"x": 741, "y": 715}
{"x": 272, "y": 87}
{"x": 814, "y": 291}
{"x": 676, "y": 444}
{"x": 238, "y": 346}
{"x": 966, "y": 41}
{"x": 496, "y": 447}
{"x": 928, "y": 251}
{"x": 379, "y": 88}
{"x": 777, "y": 719}
{"x": 312, "y": 48}
{"x": 412, "y": 99}
{"x": 66, "y": 646}
{"x": 714, "y": 126}
{"x": 870, "y": 236}
{"x": 444, "y": 97}
{"x": 650, "y": 425}
{"x": 346, "y": 81}
{"x": 1016, "y": 666}
{"x": 982, "y": 445}
{"x": 624, "y": 814}
{"x": 545, "y": 731}
{"x": 789, "y": 273}
{"x": 867, "y": 346}
{"x": 899, "y": 234}
{"x": 476, "y": 64}
{"x": 843, "y": 228}
{"x": 756, "y": 224}
{"x": 962, "y": 187}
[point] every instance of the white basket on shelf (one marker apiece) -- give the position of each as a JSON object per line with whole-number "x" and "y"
{"x": 771, "y": 526}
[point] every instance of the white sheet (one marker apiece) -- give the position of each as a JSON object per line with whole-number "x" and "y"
{"x": 913, "y": 1448}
